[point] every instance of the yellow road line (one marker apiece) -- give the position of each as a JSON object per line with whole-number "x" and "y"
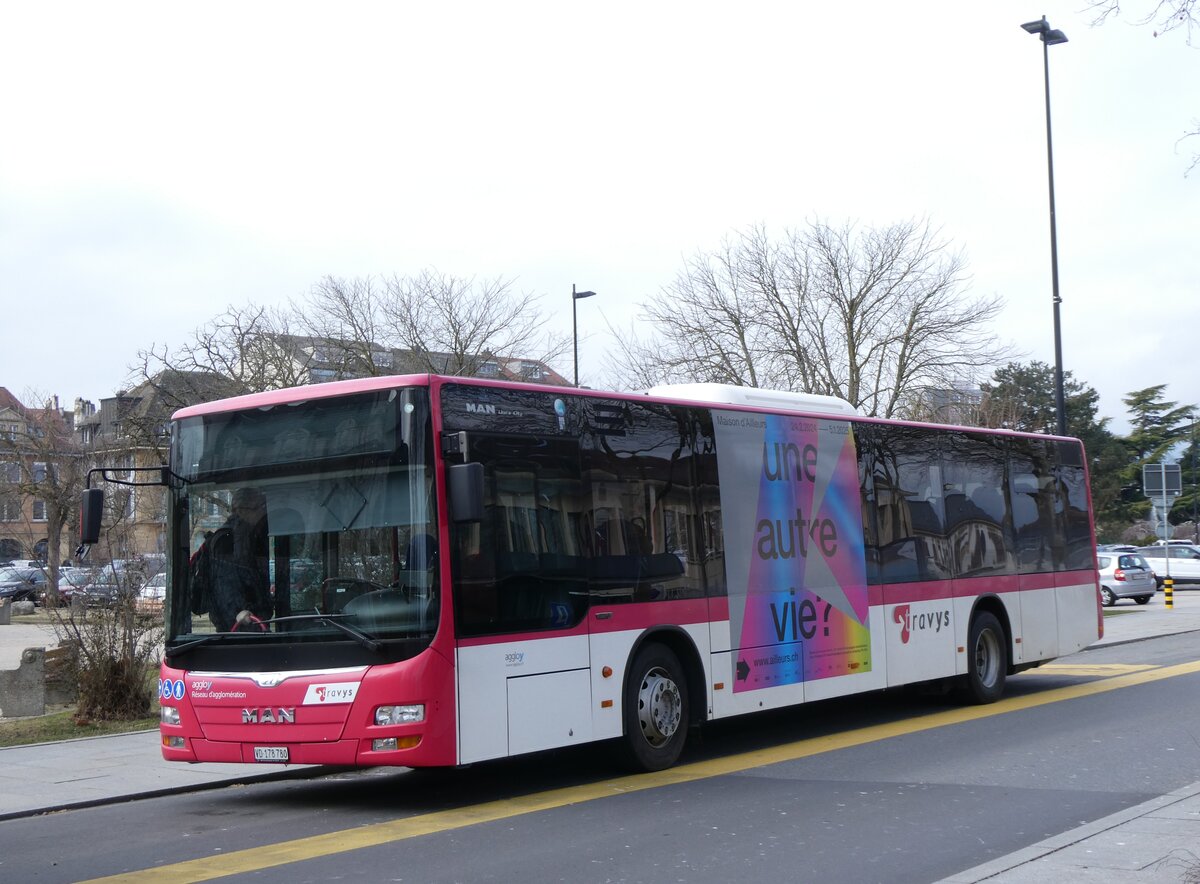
{"x": 271, "y": 855}
{"x": 1099, "y": 670}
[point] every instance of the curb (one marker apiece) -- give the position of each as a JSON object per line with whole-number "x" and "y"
{"x": 1141, "y": 638}
{"x": 272, "y": 776}
{"x": 1070, "y": 838}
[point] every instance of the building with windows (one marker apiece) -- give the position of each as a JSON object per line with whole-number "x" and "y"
{"x": 959, "y": 405}
{"x": 37, "y": 456}
{"x": 128, "y": 435}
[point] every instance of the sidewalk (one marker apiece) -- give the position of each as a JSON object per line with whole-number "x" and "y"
{"x": 1158, "y": 841}
{"x": 1155, "y": 842}
{"x": 107, "y": 770}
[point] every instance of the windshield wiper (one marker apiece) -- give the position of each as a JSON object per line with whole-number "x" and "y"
{"x": 367, "y": 641}
{"x": 203, "y": 640}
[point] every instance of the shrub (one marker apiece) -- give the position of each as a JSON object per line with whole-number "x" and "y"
{"x": 114, "y": 651}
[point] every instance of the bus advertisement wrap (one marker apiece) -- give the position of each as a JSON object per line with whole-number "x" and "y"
{"x": 792, "y": 518}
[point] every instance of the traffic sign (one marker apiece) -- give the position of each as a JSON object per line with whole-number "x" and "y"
{"x": 1161, "y": 478}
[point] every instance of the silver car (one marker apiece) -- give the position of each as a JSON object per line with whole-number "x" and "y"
{"x": 1124, "y": 576}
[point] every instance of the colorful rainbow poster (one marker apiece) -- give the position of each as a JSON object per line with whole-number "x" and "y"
{"x": 792, "y": 519}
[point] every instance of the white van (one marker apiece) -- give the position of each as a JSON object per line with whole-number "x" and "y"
{"x": 1183, "y": 561}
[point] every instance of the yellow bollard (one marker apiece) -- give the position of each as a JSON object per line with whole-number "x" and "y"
{"x": 1169, "y": 593}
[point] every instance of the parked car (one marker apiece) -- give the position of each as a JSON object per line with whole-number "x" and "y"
{"x": 151, "y": 595}
{"x": 71, "y": 581}
{"x": 35, "y": 564}
{"x": 21, "y": 583}
{"x": 103, "y": 586}
{"x": 1125, "y": 576}
{"x": 103, "y": 592}
{"x": 1183, "y": 562}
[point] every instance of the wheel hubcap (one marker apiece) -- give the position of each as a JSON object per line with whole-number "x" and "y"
{"x": 659, "y": 707}
{"x": 987, "y": 657}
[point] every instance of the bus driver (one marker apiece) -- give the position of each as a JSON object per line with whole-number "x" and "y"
{"x": 230, "y": 571}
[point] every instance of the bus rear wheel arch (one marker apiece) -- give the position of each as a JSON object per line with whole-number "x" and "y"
{"x": 656, "y": 709}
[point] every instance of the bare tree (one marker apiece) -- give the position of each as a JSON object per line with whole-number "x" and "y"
{"x": 711, "y": 320}
{"x": 113, "y": 646}
{"x": 454, "y": 325}
{"x": 45, "y": 470}
{"x": 356, "y": 327}
{"x": 243, "y": 350}
{"x": 875, "y": 317}
{"x": 346, "y": 316}
{"x": 1163, "y": 16}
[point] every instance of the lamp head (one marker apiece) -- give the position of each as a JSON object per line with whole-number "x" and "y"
{"x": 580, "y": 295}
{"x": 1041, "y": 27}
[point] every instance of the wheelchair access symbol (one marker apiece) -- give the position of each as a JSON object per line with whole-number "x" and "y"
{"x": 560, "y": 615}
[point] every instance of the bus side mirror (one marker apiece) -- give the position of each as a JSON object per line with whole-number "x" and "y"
{"x": 90, "y": 511}
{"x": 465, "y": 484}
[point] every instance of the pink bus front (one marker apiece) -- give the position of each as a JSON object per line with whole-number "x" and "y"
{"x": 306, "y": 581}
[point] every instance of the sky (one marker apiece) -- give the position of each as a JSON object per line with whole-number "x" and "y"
{"x": 161, "y": 162}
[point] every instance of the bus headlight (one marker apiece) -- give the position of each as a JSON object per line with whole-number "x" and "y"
{"x": 169, "y": 715}
{"x": 409, "y": 714}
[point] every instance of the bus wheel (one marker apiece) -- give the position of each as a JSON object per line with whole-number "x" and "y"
{"x": 656, "y": 709}
{"x": 987, "y": 662}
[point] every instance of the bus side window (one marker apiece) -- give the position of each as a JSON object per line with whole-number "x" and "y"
{"x": 641, "y": 475}
{"x": 978, "y": 526}
{"x": 1072, "y": 486}
{"x": 521, "y": 568}
{"x": 909, "y": 508}
{"x": 1038, "y": 525}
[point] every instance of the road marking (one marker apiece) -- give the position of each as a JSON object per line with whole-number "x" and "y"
{"x": 285, "y": 852}
{"x": 1098, "y": 670}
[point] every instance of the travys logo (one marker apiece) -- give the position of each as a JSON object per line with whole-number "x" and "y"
{"x": 920, "y": 622}
{"x": 338, "y": 692}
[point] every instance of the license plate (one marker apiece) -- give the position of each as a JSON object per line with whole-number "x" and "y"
{"x": 270, "y": 753}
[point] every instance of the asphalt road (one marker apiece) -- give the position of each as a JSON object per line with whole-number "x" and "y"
{"x": 878, "y": 788}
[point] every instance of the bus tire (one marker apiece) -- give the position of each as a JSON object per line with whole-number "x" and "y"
{"x": 987, "y": 659}
{"x": 656, "y": 709}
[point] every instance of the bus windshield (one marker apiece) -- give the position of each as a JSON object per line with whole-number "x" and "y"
{"x": 306, "y": 522}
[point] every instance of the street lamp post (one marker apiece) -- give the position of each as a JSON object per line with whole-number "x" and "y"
{"x": 575, "y": 296}
{"x": 1195, "y": 526}
{"x": 1051, "y": 37}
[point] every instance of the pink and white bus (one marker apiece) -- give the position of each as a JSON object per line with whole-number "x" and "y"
{"x": 460, "y": 570}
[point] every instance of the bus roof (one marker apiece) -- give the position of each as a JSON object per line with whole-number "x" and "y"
{"x": 295, "y": 395}
{"x": 752, "y": 397}
{"x": 699, "y": 393}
